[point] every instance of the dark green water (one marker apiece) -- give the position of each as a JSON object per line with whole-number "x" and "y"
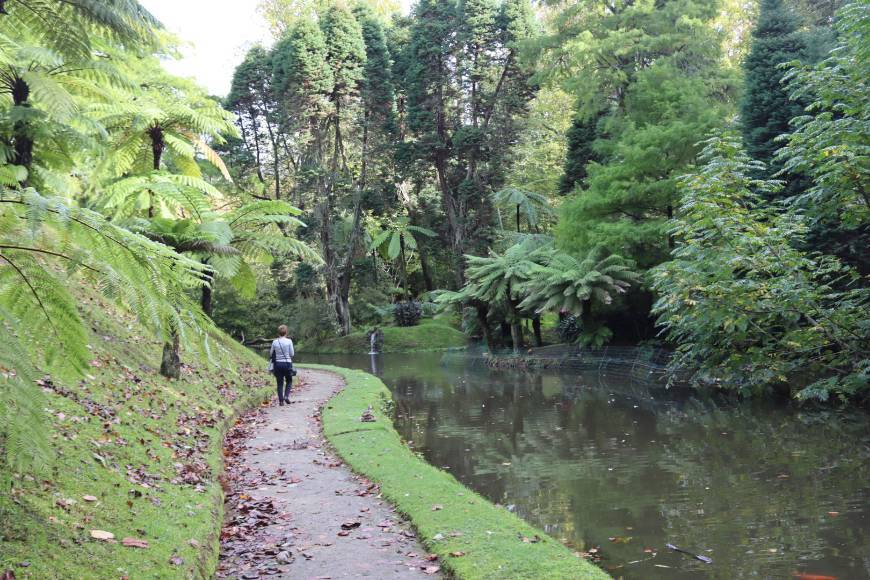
{"x": 764, "y": 490}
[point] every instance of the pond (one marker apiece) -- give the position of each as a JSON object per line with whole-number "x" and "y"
{"x": 601, "y": 460}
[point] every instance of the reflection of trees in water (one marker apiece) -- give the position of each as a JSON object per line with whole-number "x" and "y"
{"x": 586, "y": 461}
{"x": 795, "y": 469}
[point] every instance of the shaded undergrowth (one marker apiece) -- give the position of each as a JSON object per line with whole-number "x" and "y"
{"x": 135, "y": 455}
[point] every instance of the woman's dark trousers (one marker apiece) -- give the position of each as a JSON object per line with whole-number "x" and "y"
{"x": 284, "y": 372}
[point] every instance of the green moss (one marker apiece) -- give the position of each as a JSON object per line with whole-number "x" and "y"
{"x": 427, "y": 336}
{"x": 120, "y": 418}
{"x": 491, "y": 538}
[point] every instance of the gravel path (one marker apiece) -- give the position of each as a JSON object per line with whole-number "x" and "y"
{"x": 295, "y": 511}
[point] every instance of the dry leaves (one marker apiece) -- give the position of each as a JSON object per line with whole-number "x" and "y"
{"x": 102, "y": 535}
{"x": 134, "y": 543}
{"x": 350, "y": 525}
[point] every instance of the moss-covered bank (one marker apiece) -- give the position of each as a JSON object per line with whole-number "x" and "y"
{"x": 136, "y": 455}
{"x": 473, "y": 537}
{"x": 429, "y": 335}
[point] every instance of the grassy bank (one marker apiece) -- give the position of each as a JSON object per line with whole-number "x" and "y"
{"x": 427, "y": 336}
{"x": 472, "y": 537}
{"x": 136, "y": 455}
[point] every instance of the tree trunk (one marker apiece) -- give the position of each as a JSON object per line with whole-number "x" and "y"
{"x": 536, "y": 327}
{"x": 518, "y": 218}
{"x": 505, "y": 332}
{"x": 21, "y": 130}
{"x": 342, "y": 298}
{"x": 516, "y": 336}
{"x": 205, "y": 299}
{"x": 516, "y": 326}
{"x": 157, "y": 146}
{"x": 482, "y": 312}
{"x": 586, "y": 315}
{"x": 404, "y": 269}
{"x": 427, "y": 272}
{"x": 170, "y": 366}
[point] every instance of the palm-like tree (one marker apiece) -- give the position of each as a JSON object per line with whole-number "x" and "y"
{"x": 186, "y": 237}
{"x": 527, "y": 203}
{"x": 501, "y": 278}
{"x": 46, "y": 59}
{"x": 564, "y": 283}
{"x": 260, "y": 231}
{"x": 229, "y": 245}
{"x": 398, "y": 236}
{"x": 158, "y": 133}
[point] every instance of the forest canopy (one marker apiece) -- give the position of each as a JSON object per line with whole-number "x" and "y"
{"x": 685, "y": 173}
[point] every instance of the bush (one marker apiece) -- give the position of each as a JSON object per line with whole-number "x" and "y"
{"x": 569, "y": 328}
{"x": 408, "y": 313}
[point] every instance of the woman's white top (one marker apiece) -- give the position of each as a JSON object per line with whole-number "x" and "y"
{"x": 282, "y": 348}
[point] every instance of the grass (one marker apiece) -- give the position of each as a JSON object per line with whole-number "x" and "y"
{"x": 120, "y": 421}
{"x": 472, "y": 537}
{"x": 429, "y": 335}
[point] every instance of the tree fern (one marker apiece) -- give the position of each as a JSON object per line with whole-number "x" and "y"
{"x": 566, "y": 283}
{"x": 45, "y": 244}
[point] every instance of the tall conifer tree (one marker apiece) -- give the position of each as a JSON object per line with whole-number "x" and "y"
{"x": 766, "y": 107}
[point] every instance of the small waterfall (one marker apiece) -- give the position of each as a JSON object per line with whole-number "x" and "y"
{"x": 373, "y": 339}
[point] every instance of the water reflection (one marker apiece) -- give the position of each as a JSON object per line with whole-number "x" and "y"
{"x": 763, "y": 490}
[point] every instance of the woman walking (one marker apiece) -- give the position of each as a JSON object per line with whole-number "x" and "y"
{"x": 281, "y": 356}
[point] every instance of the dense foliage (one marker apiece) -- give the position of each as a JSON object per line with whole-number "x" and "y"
{"x": 526, "y": 163}
{"x": 107, "y": 177}
{"x": 520, "y": 163}
{"x": 744, "y": 303}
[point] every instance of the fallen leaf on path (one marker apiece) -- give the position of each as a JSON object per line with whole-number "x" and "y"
{"x": 457, "y": 554}
{"x": 344, "y": 533}
{"x": 437, "y": 507}
{"x": 102, "y": 535}
{"x": 134, "y": 543}
{"x": 432, "y": 569}
{"x": 89, "y": 497}
{"x": 8, "y": 575}
{"x": 350, "y": 525}
{"x": 431, "y": 557}
{"x": 176, "y": 560}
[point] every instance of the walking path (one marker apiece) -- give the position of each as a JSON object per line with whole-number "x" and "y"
{"x": 295, "y": 511}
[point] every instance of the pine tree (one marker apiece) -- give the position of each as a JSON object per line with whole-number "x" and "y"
{"x": 766, "y": 107}
{"x": 345, "y": 52}
{"x": 466, "y": 88}
{"x": 252, "y": 98}
{"x": 653, "y": 72}
{"x": 301, "y": 77}
{"x": 581, "y": 137}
